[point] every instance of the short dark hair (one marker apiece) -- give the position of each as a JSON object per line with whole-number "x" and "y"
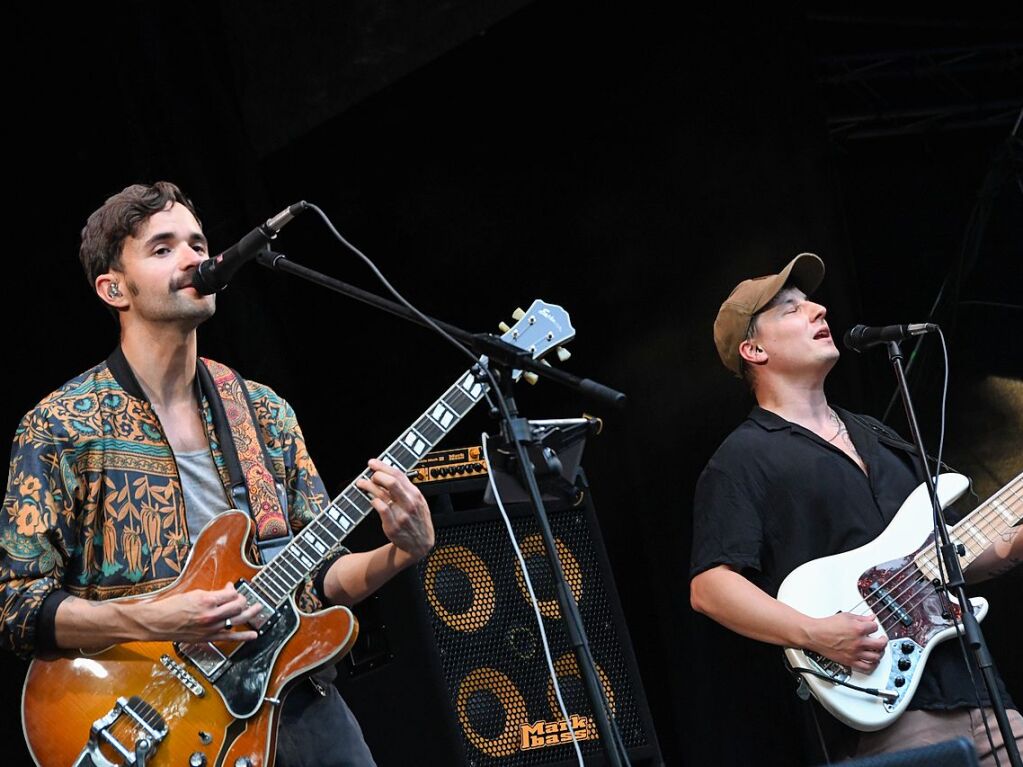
{"x": 120, "y": 217}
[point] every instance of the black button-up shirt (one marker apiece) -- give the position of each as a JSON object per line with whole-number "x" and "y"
{"x": 776, "y": 495}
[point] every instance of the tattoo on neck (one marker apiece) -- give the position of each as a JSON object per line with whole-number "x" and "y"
{"x": 841, "y": 432}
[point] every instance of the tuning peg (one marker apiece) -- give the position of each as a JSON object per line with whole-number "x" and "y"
{"x": 518, "y": 314}
{"x": 563, "y": 354}
{"x": 545, "y": 362}
{"x": 503, "y": 327}
{"x": 530, "y": 378}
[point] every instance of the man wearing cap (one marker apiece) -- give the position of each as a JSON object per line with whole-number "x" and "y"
{"x": 801, "y": 479}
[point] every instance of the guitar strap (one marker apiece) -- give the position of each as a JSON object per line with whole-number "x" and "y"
{"x": 253, "y": 488}
{"x": 892, "y": 439}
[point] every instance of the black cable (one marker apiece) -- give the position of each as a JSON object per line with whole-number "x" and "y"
{"x": 827, "y": 678}
{"x": 969, "y": 249}
{"x": 960, "y": 635}
{"x": 619, "y": 743}
{"x": 401, "y": 299}
{"x": 942, "y": 575}
{"x": 820, "y": 732}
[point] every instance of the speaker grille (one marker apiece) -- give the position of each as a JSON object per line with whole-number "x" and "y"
{"x": 490, "y": 649}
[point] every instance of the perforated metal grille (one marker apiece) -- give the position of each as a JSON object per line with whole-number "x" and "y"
{"x": 490, "y": 648}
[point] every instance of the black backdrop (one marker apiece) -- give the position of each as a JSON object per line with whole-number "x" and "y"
{"x": 626, "y": 162}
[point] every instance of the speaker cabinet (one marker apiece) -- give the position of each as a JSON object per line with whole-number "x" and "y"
{"x": 449, "y": 667}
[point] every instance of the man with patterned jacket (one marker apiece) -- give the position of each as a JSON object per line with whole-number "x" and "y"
{"x": 113, "y": 475}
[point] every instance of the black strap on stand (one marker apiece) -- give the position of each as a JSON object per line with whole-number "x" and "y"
{"x": 950, "y": 559}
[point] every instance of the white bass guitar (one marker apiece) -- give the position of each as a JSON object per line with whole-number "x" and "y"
{"x": 893, "y": 578}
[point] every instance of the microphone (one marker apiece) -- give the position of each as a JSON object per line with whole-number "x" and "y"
{"x": 863, "y": 337}
{"x": 213, "y": 274}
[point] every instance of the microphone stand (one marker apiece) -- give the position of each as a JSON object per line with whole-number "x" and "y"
{"x": 950, "y": 559}
{"x": 516, "y": 432}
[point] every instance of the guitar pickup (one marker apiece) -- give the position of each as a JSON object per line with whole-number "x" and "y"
{"x": 885, "y": 598}
{"x": 204, "y": 656}
{"x": 252, "y": 597}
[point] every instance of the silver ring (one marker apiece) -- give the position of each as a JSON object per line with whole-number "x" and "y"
{"x": 227, "y": 624}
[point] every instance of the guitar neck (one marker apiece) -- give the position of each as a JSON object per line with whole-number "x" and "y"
{"x": 318, "y": 539}
{"x": 979, "y": 529}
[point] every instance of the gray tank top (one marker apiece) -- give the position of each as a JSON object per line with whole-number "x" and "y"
{"x": 202, "y": 488}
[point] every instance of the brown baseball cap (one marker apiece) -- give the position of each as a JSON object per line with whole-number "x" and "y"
{"x": 805, "y": 271}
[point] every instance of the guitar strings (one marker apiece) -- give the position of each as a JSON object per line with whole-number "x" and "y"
{"x": 929, "y": 559}
{"x": 988, "y": 523}
{"x": 913, "y": 580}
{"x": 932, "y": 558}
{"x": 275, "y": 580}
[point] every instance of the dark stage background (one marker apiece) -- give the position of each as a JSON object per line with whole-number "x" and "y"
{"x": 627, "y": 161}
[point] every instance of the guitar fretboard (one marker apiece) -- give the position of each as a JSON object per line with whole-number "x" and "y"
{"x": 979, "y": 529}
{"x": 318, "y": 539}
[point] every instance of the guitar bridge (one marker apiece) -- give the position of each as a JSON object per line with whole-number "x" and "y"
{"x": 150, "y": 730}
{"x": 181, "y": 674}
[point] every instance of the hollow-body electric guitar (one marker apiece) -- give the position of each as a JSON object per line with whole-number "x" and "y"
{"x": 899, "y": 586}
{"x": 172, "y": 704}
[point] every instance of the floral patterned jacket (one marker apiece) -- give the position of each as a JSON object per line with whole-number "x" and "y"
{"x": 94, "y": 506}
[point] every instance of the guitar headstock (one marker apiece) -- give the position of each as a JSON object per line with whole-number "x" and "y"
{"x": 539, "y": 330}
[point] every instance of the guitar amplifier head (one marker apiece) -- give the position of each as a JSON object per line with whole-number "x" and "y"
{"x": 446, "y": 465}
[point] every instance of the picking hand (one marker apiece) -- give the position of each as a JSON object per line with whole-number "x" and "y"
{"x": 200, "y": 616}
{"x": 845, "y": 638}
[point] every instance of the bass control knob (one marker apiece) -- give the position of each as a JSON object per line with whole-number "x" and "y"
{"x": 243, "y": 761}
{"x": 197, "y": 759}
{"x": 908, "y": 647}
{"x": 904, "y": 664}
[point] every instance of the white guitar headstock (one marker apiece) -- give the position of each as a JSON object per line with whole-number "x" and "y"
{"x": 539, "y": 330}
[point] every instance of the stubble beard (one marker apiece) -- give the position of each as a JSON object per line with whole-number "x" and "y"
{"x": 177, "y": 307}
